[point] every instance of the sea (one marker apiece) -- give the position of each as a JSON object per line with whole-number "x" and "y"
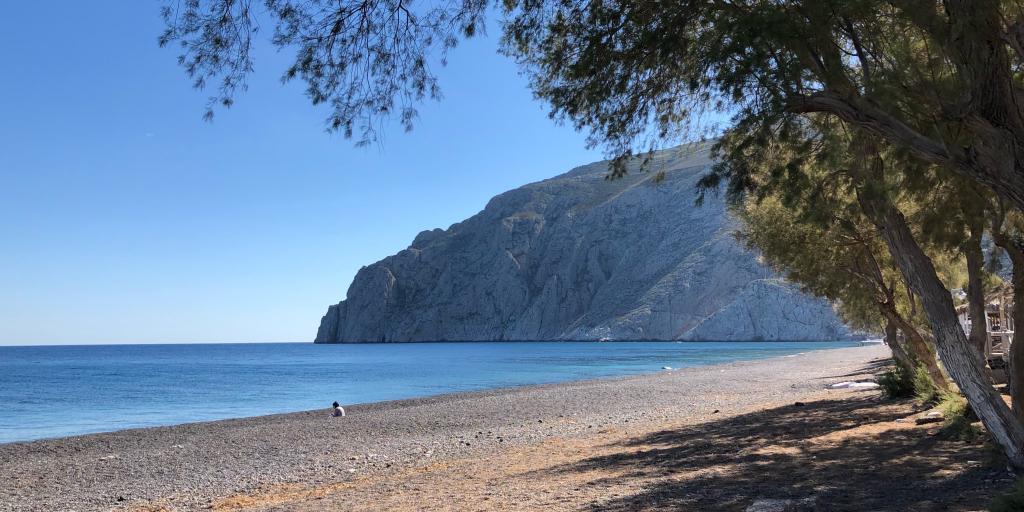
{"x": 57, "y": 391}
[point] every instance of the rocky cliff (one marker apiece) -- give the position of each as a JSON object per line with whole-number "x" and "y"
{"x": 579, "y": 257}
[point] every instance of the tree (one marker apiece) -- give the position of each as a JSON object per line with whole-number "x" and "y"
{"x": 820, "y": 239}
{"x": 963, "y": 359}
{"x": 367, "y": 60}
{"x": 950, "y": 215}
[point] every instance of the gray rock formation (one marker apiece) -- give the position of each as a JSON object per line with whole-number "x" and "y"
{"x": 579, "y": 257}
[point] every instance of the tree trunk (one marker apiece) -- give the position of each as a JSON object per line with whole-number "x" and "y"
{"x": 914, "y": 346}
{"x": 976, "y": 289}
{"x": 918, "y": 347}
{"x": 1015, "y": 372}
{"x": 899, "y": 353}
{"x": 960, "y": 357}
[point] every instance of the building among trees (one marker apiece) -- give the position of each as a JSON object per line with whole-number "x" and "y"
{"x": 998, "y": 324}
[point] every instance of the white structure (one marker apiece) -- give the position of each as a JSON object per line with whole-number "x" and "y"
{"x": 998, "y": 322}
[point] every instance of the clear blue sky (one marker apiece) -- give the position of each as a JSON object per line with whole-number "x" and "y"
{"x": 124, "y": 218}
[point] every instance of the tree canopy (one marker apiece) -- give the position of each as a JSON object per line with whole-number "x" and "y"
{"x": 367, "y": 60}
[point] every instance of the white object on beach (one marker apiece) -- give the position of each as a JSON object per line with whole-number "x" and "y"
{"x": 854, "y": 385}
{"x": 666, "y": 367}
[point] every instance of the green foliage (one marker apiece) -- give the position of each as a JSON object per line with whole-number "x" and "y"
{"x": 897, "y": 382}
{"x": 368, "y": 60}
{"x": 815, "y": 256}
{"x": 958, "y": 417}
{"x": 953, "y": 405}
{"x": 1010, "y": 502}
{"x": 924, "y": 388}
{"x": 819, "y": 237}
{"x": 901, "y": 72}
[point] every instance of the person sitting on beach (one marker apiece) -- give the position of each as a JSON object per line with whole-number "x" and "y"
{"x": 338, "y": 410}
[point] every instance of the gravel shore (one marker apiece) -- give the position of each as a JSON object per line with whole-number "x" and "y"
{"x": 187, "y": 467}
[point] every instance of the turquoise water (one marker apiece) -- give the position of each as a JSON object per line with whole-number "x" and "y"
{"x": 68, "y": 390}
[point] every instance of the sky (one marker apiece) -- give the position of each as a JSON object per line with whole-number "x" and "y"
{"x": 125, "y": 218}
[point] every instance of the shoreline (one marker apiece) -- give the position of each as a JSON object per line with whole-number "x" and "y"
{"x": 414, "y": 342}
{"x": 281, "y": 411}
{"x": 185, "y": 466}
{"x": 171, "y": 343}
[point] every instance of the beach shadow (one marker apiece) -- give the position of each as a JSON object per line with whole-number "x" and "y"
{"x": 870, "y": 368}
{"x": 836, "y": 455}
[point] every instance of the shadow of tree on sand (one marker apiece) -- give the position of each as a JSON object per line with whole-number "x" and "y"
{"x": 843, "y": 454}
{"x": 867, "y": 369}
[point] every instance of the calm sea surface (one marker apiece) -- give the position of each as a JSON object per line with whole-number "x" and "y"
{"x": 67, "y": 390}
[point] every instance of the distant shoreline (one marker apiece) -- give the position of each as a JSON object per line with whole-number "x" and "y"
{"x": 185, "y": 343}
{"x": 189, "y": 464}
{"x": 865, "y": 338}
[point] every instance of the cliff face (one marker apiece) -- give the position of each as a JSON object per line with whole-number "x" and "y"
{"x": 578, "y": 257}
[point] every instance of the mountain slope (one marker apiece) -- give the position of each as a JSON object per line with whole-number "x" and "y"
{"x": 581, "y": 257}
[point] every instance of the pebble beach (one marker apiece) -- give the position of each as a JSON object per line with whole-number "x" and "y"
{"x": 211, "y": 465}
